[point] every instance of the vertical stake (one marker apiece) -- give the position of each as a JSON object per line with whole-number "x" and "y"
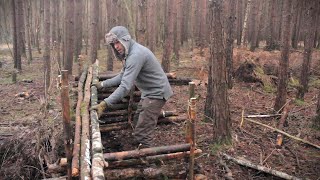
{"x": 66, "y": 119}
{"x": 190, "y": 134}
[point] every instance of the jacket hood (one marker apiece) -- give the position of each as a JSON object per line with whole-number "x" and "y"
{"x": 121, "y": 34}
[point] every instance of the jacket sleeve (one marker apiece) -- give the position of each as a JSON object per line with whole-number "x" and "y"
{"x": 133, "y": 66}
{"x": 115, "y": 81}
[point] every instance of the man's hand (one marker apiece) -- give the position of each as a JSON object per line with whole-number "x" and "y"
{"x": 100, "y": 108}
{"x": 98, "y": 85}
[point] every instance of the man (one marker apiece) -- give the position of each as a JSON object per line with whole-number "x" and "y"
{"x": 142, "y": 69}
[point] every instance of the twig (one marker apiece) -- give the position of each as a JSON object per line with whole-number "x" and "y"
{"x": 284, "y": 133}
{"x": 228, "y": 175}
{"x": 267, "y": 157}
{"x": 262, "y": 115}
{"x": 247, "y": 163}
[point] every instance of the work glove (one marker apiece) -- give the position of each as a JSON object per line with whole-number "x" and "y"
{"x": 100, "y": 108}
{"x": 98, "y": 85}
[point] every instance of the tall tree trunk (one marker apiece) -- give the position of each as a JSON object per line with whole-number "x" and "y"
{"x": 229, "y": 44}
{"x": 271, "y": 40}
{"x": 93, "y": 30}
{"x": 167, "y": 51}
{"x": 283, "y": 65}
{"x": 296, "y": 22}
{"x": 142, "y": 18}
{"x": 46, "y": 54}
{"x": 245, "y": 22}
{"x": 151, "y": 20}
{"x": 78, "y": 27}
{"x": 217, "y": 107}
{"x": 20, "y": 16}
{"x": 28, "y": 28}
{"x": 16, "y": 36}
{"x": 255, "y": 24}
{"x": 68, "y": 36}
{"x": 310, "y": 19}
{"x": 239, "y": 21}
{"x": 175, "y": 46}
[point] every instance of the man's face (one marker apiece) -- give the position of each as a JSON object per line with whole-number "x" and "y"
{"x": 119, "y": 47}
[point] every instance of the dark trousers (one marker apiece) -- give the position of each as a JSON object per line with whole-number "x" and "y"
{"x": 145, "y": 120}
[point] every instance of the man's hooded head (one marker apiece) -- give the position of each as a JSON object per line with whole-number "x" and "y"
{"x": 119, "y": 34}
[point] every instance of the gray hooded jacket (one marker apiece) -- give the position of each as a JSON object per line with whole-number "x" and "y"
{"x": 140, "y": 67}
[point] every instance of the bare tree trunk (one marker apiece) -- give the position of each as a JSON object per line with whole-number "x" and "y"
{"x": 46, "y": 54}
{"x": 28, "y": 28}
{"x": 16, "y": 36}
{"x": 283, "y": 65}
{"x": 245, "y": 22}
{"x": 167, "y": 51}
{"x": 93, "y": 30}
{"x": 310, "y": 19}
{"x": 68, "y": 37}
{"x": 270, "y": 39}
{"x": 20, "y": 16}
{"x": 217, "y": 107}
{"x": 175, "y": 53}
{"x": 239, "y": 21}
{"x": 78, "y": 27}
{"x": 229, "y": 44}
{"x": 255, "y": 25}
{"x": 152, "y": 22}
{"x": 142, "y": 18}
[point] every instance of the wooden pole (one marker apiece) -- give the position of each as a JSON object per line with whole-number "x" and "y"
{"x": 151, "y": 159}
{"x": 146, "y": 152}
{"x": 85, "y": 159}
{"x": 96, "y": 145}
{"x": 77, "y": 133}
{"x": 192, "y": 117}
{"x": 66, "y": 119}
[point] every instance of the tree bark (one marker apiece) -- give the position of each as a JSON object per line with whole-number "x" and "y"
{"x": 78, "y": 27}
{"x": 229, "y": 48}
{"x": 94, "y": 11}
{"x": 271, "y": 45}
{"x": 16, "y": 36}
{"x": 217, "y": 107}
{"x": 141, "y": 21}
{"x": 28, "y": 28}
{"x": 283, "y": 65}
{"x": 46, "y": 54}
{"x": 68, "y": 37}
{"x": 244, "y": 31}
{"x": 310, "y": 19}
{"x": 167, "y": 51}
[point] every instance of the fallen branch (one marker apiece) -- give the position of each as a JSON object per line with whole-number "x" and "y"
{"x": 151, "y": 159}
{"x": 146, "y": 152}
{"x": 284, "y": 133}
{"x": 262, "y": 115}
{"x": 264, "y": 169}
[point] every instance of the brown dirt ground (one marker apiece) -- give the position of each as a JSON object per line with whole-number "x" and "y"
{"x": 27, "y": 132}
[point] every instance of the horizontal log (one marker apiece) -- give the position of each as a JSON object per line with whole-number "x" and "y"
{"x": 151, "y": 159}
{"x": 121, "y": 106}
{"x": 103, "y": 95}
{"x": 178, "y": 171}
{"x": 121, "y": 123}
{"x": 125, "y": 112}
{"x": 114, "y": 127}
{"x": 146, "y": 152}
{"x": 180, "y": 81}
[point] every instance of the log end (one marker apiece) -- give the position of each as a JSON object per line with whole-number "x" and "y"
{"x": 75, "y": 172}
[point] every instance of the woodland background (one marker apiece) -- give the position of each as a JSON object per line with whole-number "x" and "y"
{"x": 246, "y": 56}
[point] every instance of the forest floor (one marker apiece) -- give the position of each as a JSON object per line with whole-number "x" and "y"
{"x": 31, "y": 125}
